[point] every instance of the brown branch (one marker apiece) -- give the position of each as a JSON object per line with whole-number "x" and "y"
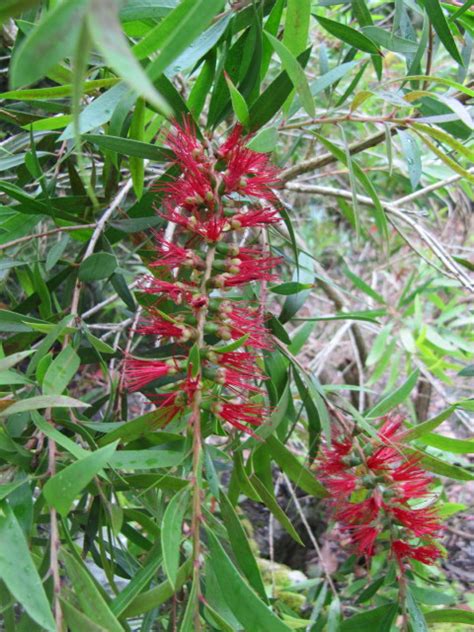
{"x": 327, "y": 159}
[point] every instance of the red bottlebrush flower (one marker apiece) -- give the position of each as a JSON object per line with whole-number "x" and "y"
{"x": 363, "y": 538}
{"x": 162, "y": 328}
{"x": 390, "y": 427}
{"x": 241, "y": 272}
{"x": 243, "y": 361}
{"x": 248, "y": 172}
{"x": 420, "y": 521}
{"x": 382, "y": 458}
{"x": 363, "y": 512}
{"x": 231, "y": 142}
{"x": 173, "y": 256}
{"x": 139, "y": 373}
{"x": 255, "y": 217}
{"x": 242, "y": 321}
{"x": 426, "y": 554}
{"x": 410, "y": 480}
{"x": 191, "y": 191}
{"x": 208, "y": 225}
{"x": 189, "y": 152}
{"x": 239, "y": 414}
{"x": 332, "y": 458}
{"x": 342, "y": 485}
{"x": 177, "y": 292}
{"x": 236, "y": 381}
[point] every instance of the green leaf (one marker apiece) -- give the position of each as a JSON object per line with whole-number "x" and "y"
{"x": 53, "y": 39}
{"x": 396, "y": 397}
{"x": 232, "y": 346}
{"x": 390, "y": 41}
{"x": 61, "y": 490}
{"x": 377, "y": 210}
{"x": 137, "y": 130}
{"x": 176, "y": 32}
{"x": 194, "y": 360}
{"x": 158, "y": 595}
{"x": 265, "y": 141}
{"x": 442, "y": 468}
{"x": 129, "y": 147}
{"x": 368, "y": 315}
{"x": 11, "y": 360}
{"x": 99, "y": 265}
{"x": 139, "y": 581}
{"x": 187, "y": 624}
{"x": 238, "y": 102}
{"x": 171, "y": 533}
{"x": 427, "y": 426}
{"x": 450, "y": 615}
{"x": 299, "y": 474}
{"x": 10, "y": 8}
{"x": 61, "y": 371}
{"x": 417, "y": 619}
{"x": 349, "y": 35}
{"x": 109, "y": 38}
{"x": 362, "y": 285}
{"x": 147, "y": 459}
{"x": 376, "y": 620}
{"x": 56, "y": 92}
{"x": 271, "y": 503}
{"x": 295, "y": 35}
{"x": 77, "y": 620}
{"x": 240, "y": 546}
{"x": 412, "y": 153}
{"x": 136, "y": 428}
{"x": 448, "y": 444}
{"x": 295, "y": 73}
{"x": 252, "y": 613}
{"x": 92, "y": 602}
{"x": 271, "y": 100}
{"x": 42, "y": 401}
{"x": 25, "y": 586}
{"x": 370, "y": 591}
{"x": 143, "y": 9}
{"x": 441, "y": 26}
{"x": 292, "y": 287}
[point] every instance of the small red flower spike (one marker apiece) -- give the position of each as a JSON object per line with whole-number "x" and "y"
{"x": 201, "y": 270}
{"x": 373, "y": 490}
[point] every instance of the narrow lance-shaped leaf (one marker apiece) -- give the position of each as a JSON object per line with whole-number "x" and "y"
{"x": 25, "y": 586}
{"x": 109, "y": 38}
{"x": 295, "y": 73}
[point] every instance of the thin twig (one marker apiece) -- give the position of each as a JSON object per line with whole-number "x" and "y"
{"x": 453, "y": 270}
{"x": 310, "y": 533}
{"x": 100, "y": 226}
{"x": 54, "y": 231}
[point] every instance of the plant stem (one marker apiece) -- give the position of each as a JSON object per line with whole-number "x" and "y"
{"x": 54, "y": 539}
{"x": 197, "y": 446}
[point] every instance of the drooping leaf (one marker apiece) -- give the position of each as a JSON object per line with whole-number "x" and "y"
{"x": 92, "y": 603}
{"x": 62, "y": 488}
{"x": 171, "y": 533}
{"x": 107, "y": 34}
{"x": 26, "y": 586}
{"x": 252, "y": 613}
{"x": 53, "y": 39}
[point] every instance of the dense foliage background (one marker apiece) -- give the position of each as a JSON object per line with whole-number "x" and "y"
{"x": 365, "y": 106}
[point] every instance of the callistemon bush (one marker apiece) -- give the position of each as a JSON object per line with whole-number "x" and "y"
{"x": 205, "y": 306}
{"x": 380, "y": 495}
